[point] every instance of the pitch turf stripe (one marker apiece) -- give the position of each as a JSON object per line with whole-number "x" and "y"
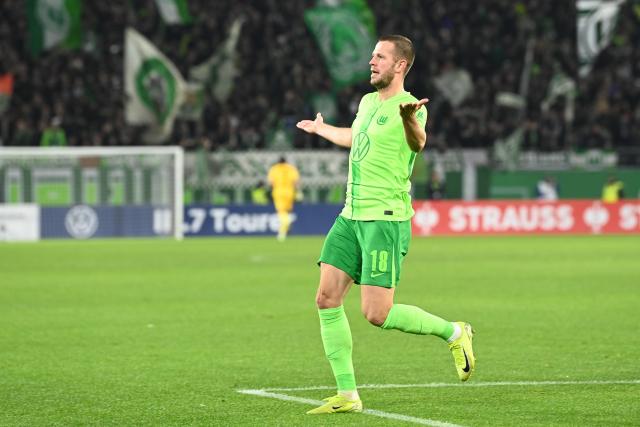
{"x": 473, "y": 384}
{"x": 375, "y": 413}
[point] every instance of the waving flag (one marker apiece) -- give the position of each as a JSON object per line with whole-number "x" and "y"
{"x": 54, "y": 23}
{"x": 174, "y": 12}
{"x": 596, "y": 24}
{"x": 218, "y": 72}
{"x": 154, "y": 87}
{"x": 346, "y": 39}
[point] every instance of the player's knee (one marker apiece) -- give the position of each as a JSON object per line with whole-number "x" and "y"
{"x": 375, "y": 315}
{"x": 326, "y": 300}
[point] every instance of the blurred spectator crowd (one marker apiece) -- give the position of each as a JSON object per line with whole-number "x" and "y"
{"x": 280, "y": 65}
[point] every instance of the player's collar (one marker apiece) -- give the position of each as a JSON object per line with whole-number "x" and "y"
{"x": 397, "y": 95}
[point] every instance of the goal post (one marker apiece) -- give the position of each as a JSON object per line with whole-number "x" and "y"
{"x": 85, "y": 192}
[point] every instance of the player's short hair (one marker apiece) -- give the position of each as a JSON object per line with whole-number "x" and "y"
{"x": 403, "y": 48}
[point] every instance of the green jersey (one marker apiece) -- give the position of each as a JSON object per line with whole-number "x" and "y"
{"x": 380, "y": 161}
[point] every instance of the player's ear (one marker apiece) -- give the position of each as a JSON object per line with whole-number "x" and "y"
{"x": 401, "y": 65}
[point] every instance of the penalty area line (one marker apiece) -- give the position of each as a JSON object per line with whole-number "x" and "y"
{"x": 472, "y": 384}
{"x": 373, "y": 412}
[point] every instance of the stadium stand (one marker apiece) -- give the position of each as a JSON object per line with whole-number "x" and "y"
{"x": 280, "y": 66}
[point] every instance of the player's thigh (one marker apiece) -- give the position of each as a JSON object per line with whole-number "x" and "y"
{"x": 283, "y": 204}
{"x": 341, "y": 248}
{"x": 384, "y": 245}
{"x": 333, "y": 287}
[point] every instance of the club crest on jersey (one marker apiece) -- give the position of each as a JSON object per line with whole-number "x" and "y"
{"x": 382, "y": 120}
{"x": 360, "y": 146}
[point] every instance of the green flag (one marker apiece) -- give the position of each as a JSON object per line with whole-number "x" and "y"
{"x": 174, "y": 12}
{"x": 360, "y": 7}
{"x": 54, "y": 23}
{"x": 154, "y": 87}
{"x": 345, "y": 39}
{"x": 218, "y": 72}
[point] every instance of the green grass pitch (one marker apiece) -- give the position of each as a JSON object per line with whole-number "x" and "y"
{"x": 160, "y": 332}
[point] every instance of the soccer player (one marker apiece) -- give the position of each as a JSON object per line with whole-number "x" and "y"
{"x": 613, "y": 190}
{"x": 370, "y": 237}
{"x": 283, "y": 178}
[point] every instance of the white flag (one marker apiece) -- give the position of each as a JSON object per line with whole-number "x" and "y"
{"x": 219, "y": 71}
{"x": 174, "y": 11}
{"x": 456, "y": 85}
{"x": 596, "y": 22}
{"x": 153, "y": 85}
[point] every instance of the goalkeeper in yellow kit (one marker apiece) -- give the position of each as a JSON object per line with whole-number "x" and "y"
{"x": 283, "y": 178}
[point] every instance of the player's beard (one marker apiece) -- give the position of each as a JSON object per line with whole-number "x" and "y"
{"x": 384, "y": 80}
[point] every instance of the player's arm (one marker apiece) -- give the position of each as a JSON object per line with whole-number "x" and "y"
{"x": 414, "y": 132}
{"x": 339, "y": 136}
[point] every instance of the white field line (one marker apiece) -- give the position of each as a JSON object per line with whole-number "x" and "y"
{"x": 269, "y": 392}
{"x": 375, "y": 413}
{"x": 471, "y": 384}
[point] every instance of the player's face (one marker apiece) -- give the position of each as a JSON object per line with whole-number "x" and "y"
{"x": 384, "y": 65}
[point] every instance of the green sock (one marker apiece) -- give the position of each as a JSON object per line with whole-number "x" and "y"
{"x": 414, "y": 320}
{"x": 336, "y": 337}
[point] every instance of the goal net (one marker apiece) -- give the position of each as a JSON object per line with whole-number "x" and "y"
{"x": 91, "y": 192}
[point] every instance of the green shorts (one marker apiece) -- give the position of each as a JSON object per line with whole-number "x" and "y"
{"x": 370, "y": 252}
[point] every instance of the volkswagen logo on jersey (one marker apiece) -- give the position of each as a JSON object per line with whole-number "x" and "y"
{"x": 360, "y": 147}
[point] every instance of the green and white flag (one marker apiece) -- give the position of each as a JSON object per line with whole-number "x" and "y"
{"x": 596, "y": 24}
{"x": 561, "y": 85}
{"x": 54, "y": 23}
{"x": 345, "y": 39}
{"x": 154, "y": 87}
{"x": 174, "y": 12}
{"x": 219, "y": 72}
{"x": 360, "y": 7}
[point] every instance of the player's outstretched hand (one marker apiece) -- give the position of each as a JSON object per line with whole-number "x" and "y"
{"x": 407, "y": 110}
{"x": 311, "y": 126}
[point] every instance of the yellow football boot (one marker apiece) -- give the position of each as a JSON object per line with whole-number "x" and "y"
{"x": 337, "y": 404}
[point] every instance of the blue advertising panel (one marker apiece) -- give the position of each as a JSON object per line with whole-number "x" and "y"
{"x": 85, "y": 222}
{"x": 250, "y": 220}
